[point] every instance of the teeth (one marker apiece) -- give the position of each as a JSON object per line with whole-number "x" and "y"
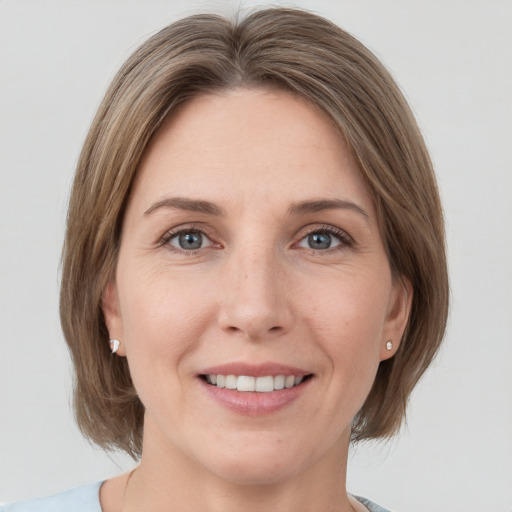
{"x": 231, "y": 381}
{"x": 289, "y": 382}
{"x": 264, "y": 384}
{"x": 245, "y": 383}
{"x": 279, "y": 381}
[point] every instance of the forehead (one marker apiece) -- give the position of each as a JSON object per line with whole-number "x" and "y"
{"x": 249, "y": 143}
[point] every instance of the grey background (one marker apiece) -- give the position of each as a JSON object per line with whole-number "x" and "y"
{"x": 453, "y": 58}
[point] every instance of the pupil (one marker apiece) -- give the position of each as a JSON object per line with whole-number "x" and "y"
{"x": 191, "y": 240}
{"x": 319, "y": 241}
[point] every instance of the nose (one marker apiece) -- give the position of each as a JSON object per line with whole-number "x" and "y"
{"x": 255, "y": 303}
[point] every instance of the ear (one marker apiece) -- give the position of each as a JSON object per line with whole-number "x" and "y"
{"x": 399, "y": 308}
{"x": 112, "y": 316}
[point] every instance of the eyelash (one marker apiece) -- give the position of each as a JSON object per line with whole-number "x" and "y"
{"x": 344, "y": 239}
{"x": 169, "y": 235}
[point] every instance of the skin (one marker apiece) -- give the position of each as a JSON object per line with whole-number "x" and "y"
{"x": 255, "y": 291}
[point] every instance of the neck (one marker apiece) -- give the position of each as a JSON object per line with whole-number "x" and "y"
{"x": 167, "y": 479}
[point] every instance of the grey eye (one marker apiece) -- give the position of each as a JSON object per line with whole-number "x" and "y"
{"x": 190, "y": 240}
{"x": 319, "y": 240}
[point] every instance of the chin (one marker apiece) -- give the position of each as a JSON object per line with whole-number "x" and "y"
{"x": 257, "y": 464}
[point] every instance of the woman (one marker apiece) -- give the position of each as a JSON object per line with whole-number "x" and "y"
{"x": 254, "y": 271}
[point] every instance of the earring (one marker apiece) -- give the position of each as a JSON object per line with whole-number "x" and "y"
{"x": 114, "y": 345}
{"x": 389, "y": 345}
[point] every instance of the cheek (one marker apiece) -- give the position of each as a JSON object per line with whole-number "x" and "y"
{"x": 162, "y": 321}
{"x": 349, "y": 305}
{"x": 348, "y": 317}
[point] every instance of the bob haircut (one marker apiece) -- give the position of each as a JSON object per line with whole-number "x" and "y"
{"x": 285, "y": 49}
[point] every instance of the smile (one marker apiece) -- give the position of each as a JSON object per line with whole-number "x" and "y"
{"x": 246, "y": 383}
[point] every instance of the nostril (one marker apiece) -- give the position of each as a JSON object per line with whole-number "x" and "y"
{"x": 256, "y": 319}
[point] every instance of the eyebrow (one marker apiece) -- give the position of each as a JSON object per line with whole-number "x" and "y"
{"x": 302, "y": 208}
{"x": 191, "y": 205}
{"x": 319, "y": 205}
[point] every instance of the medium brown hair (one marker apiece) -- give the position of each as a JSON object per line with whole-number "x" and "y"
{"x": 292, "y": 50}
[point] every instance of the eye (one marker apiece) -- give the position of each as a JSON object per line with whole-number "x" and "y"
{"x": 189, "y": 240}
{"x": 324, "y": 239}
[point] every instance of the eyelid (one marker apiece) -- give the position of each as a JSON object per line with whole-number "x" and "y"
{"x": 345, "y": 240}
{"x": 164, "y": 240}
{"x": 176, "y": 236}
{"x": 343, "y": 237}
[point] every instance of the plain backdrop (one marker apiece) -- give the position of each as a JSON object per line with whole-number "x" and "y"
{"x": 453, "y": 59}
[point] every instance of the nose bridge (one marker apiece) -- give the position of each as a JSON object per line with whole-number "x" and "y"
{"x": 255, "y": 300}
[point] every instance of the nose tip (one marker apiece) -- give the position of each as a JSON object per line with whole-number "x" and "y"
{"x": 255, "y": 304}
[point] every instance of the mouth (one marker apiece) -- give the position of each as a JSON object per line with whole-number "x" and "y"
{"x": 255, "y": 389}
{"x": 253, "y": 384}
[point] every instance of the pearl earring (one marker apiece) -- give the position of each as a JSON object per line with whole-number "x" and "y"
{"x": 114, "y": 345}
{"x": 389, "y": 345}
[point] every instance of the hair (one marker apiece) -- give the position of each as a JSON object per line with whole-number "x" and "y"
{"x": 285, "y": 49}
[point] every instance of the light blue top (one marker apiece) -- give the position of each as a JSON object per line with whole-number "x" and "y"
{"x": 87, "y": 499}
{"x": 80, "y": 499}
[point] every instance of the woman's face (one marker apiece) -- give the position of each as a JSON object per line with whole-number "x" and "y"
{"x": 251, "y": 257}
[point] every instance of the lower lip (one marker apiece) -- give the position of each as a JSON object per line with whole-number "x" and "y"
{"x": 255, "y": 403}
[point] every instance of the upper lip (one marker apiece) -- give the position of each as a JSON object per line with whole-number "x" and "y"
{"x": 254, "y": 370}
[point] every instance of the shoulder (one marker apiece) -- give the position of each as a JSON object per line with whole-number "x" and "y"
{"x": 372, "y": 507}
{"x": 80, "y": 499}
